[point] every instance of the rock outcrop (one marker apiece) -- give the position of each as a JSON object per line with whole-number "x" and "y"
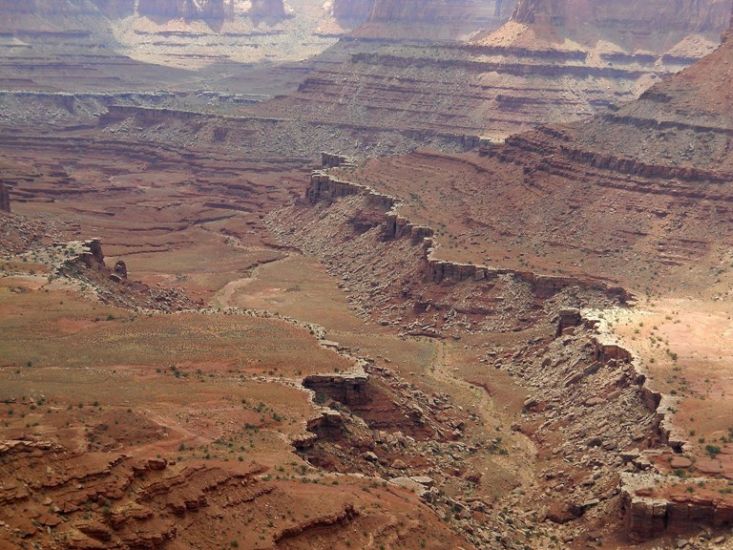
{"x": 84, "y": 262}
{"x": 327, "y": 188}
{"x": 119, "y": 272}
{"x": 653, "y": 505}
{"x": 568, "y": 318}
{"x": 652, "y": 159}
{"x": 349, "y": 388}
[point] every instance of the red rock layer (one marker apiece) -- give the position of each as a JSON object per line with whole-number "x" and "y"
{"x": 628, "y": 196}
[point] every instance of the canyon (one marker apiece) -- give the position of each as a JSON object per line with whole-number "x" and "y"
{"x": 537, "y": 66}
{"x": 109, "y": 46}
{"x": 580, "y": 176}
{"x": 366, "y": 274}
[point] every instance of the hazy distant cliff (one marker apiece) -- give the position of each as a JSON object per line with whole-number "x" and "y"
{"x": 187, "y": 9}
{"x": 351, "y": 10}
{"x": 168, "y": 9}
{"x": 435, "y": 19}
{"x": 640, "y": 22}
{"x": 469, "y": 12}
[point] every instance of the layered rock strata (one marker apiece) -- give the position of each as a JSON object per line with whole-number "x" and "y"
{"x": 537, "y": 68}
{"x": 654, "y": 505}
{"x": 105, "y": 44}
{"x": 183, "y": 9}
{"x": 626, "y": 17}
{"x": 580, "y": 378}
{"x": 326, "y": 188}
{"x": 621, "y": 192}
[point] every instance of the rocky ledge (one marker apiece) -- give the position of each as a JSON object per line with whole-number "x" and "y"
{"x": 326, "y": 188}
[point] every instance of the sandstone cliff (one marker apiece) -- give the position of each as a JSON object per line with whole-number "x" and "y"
{"x": 634, "y": 189}
{"x": 685, "y": 15}
{"x": 555, "y": 61}
{"x": 655, "y": 25}
{"x": 213, "y": 9}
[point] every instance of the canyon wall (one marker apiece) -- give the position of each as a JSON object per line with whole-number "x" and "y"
{"x": 649, "y": 25}
{"x": 629, "y": 15}
{"x": 327, "y": 188}
{"x": 555, "y": 61}
{"x": 685, "y": 123}
{"x": 623, "y": 194}
{"x": 641, "y": 194}
{"x": 81, "y": 45}
{"x": 213, "y": 9}
{"x": 651, "y": 511}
